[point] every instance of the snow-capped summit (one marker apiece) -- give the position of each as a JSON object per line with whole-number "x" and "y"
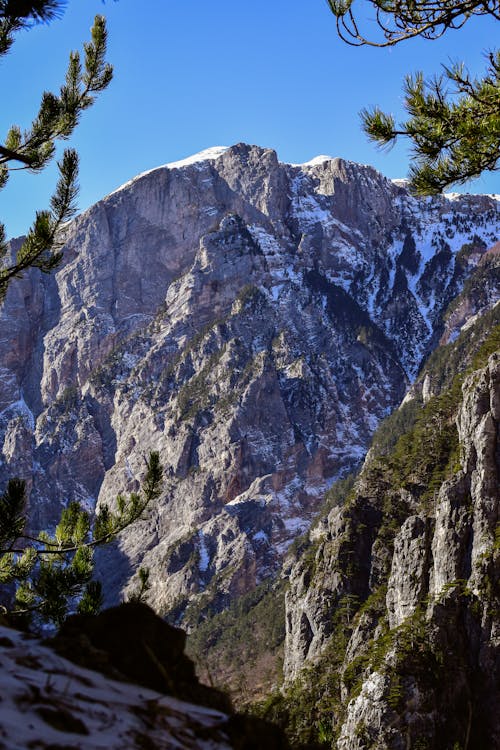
{"x": 256, "y": 353}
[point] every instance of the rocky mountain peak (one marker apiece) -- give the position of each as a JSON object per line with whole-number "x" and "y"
{"x": 251, "y": 320}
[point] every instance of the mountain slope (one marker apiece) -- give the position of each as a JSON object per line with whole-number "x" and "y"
{"x": 251, "y": 320}
{"x": 392, "y": 614}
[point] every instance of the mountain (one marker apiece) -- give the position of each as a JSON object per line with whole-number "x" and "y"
{"x": 253, "y": 321}
{"x": 392, "y": 613}
{"x": 304, "y": 617}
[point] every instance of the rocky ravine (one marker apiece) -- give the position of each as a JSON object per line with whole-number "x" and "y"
{"x": 393, "y": 611}
{"x": 251, "y": 320}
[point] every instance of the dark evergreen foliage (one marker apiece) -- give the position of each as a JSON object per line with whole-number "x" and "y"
{"x": 453, "y": 124}
{"x": 33, "y": 148}
{"x": 44, "y": 576}
{"x": 244, "y": 643}
{"x": 454, "y": 120}
{"x": 415, "y": 448}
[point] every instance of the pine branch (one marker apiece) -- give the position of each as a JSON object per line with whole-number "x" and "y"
{"x": 16, "y": 15}
{"x": 56, "y": 119}
{"x": 58, "y": 115}
{"x": 400, "y": 20}
{"x": 107, "y": 524}
{"x": 40, "y": 248}
{"x": 12, "y": 513}
{"x": 455, "y": 134}
{"x": 31, "y": 11}
{"x": 139, "y": 594}
{"x": 50, "y": 571}
{"x": 9, "y": 155}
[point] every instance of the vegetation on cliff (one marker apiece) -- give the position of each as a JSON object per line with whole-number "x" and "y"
{"x": 414, "y": 454}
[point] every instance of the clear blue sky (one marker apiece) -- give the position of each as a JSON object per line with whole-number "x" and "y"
{"x": 191, "y": 74}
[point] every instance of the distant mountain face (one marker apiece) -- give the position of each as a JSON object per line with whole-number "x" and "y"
{"x": 251, "y": 320}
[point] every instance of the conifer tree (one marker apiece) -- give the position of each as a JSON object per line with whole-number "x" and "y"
{"x": 43, "y": 576}
{"x": 454, "y": 119}
{"x": 33, "y": 148}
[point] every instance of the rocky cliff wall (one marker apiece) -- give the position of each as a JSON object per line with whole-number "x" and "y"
{"x": 392, "y": 613}
{"x": 251, "y": 320}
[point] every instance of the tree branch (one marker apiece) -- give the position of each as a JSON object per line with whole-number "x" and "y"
{"x": 8, "y": 155}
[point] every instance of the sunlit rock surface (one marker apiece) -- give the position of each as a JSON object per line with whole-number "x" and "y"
{"x": 251, "y": 320}
{"x": 399, "y": 598}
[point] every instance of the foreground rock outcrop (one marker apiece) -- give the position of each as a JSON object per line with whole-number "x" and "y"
{"x": 253, "y": 322}
{"x": 130, "y": 695}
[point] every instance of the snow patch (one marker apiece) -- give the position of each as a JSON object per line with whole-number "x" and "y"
{"x": 130, "y": 360}
{"x": 204, "y": 561}
{"x": 296, "y": 525}
{"x": 208, "y": 154}
{"x": 260, "y": 536}
{"x": 306, "y": 207}
{"x": 458, "y": 196}
{"x": 110, "y": 712}
{"x": 20, "y": 409}
{"x": 128, "y": 469}
{"x": 316, "y": 160}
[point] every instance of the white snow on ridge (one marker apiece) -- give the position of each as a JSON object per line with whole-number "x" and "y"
{"x": 316, "y": 160}
{"x": 208, "y": 154}
{"x": 457, "y": 196}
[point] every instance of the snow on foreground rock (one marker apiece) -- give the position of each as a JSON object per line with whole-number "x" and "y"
{"x": 46, "y": 701}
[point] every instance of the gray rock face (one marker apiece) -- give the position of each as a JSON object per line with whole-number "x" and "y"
{"x": 408, "y": 577}
{"x": 422, "y": 633}
{"x": 251, "y": 320}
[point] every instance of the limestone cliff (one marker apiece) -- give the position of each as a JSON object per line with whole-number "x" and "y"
{"x": 393, "y": 611}
{"x": 251, "y": 320}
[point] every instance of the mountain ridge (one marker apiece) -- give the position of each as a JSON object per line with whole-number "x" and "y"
{"x": 253, "y": 320}
{"x": 392, "y": 613}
